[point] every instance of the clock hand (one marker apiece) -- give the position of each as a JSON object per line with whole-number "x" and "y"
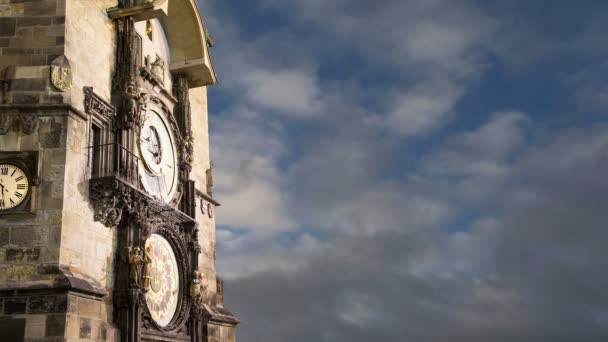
{"x": 154, "y": 153}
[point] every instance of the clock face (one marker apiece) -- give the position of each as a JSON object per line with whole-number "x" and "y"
{"x": 163, "y": 295}
{"x": 158, "y": 155}
{"x": 14, "y": 186}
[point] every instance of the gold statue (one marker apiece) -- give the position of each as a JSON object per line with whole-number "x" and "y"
{"x": 135, "y": 260}
{"x": 147, "y": 274}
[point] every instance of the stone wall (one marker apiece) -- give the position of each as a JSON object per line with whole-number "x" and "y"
{"x": 30, "y": 241}
{"x": 201, "y": 163}
{"x": 90, "y": 44}
{"x": 32, "y": 34}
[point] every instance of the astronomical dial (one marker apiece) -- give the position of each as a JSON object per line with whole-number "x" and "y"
{"x": 158, "y": 155}
{"x": 14, "y": 186}
{"x": 163, "y": 295}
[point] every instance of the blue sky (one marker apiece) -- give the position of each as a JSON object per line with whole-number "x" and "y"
{"x": 411, "y": 170}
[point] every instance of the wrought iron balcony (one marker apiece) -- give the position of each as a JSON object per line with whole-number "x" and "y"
{"x": 114, "y": 161}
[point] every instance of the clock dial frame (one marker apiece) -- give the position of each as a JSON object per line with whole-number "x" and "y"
{"x": 15, "y": 186}
{"x": 157, "y": 143}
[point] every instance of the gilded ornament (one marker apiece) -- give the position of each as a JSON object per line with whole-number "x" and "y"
{"x": 149, "y": 29}
{"x": 147, "y": 274}
{"x": 135, "y": 260}
{"x": 61, "y": 73}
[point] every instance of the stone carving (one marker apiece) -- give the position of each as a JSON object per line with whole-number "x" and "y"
{"x": 28, "y": 122}
{"x": 158, "y": 68}
{"x": 5, "y": 123}
{"x": 134, "y": 104}
{"x": 209, "y": 174}
{"x": 135, "y": 260}
{"x": 147, "y": 274}
{"x": 197, "y": 288}
{"x": 109, "y": 199}
{"x": 188, "y": 149}
{"x": 94, "y": 105}
{"x": 61, "y": 73}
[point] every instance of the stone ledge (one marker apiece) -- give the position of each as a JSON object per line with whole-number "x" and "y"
{"x": 220, "y": 315}
{"x": 60, "y": 279}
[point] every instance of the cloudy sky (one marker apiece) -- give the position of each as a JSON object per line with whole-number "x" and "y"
{"x": 395, "y": 170}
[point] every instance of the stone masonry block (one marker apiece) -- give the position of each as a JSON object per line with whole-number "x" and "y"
{"x": 27, "y": 235}
{"x": 4, "y": 236}
{"x": 85, "y": 328}
{"x": 32, "y": 72}
{"x": 89, "y": 308}
{"x": 7, "y": 27}
{"x": 29, "y": 84}
{"x": 55, "y": 325}
{"x": 23, "y": 254}
{"x": 34, "y": 21}
{"x": 41, "y": 8}
{"x": 14, "y": 306}
{"x": 26, "y": 98}
{"x": 47, "y": 304}
{"x": 12, "y": 10}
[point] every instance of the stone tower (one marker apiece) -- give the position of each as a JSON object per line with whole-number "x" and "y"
{"x": 107, "y": 220}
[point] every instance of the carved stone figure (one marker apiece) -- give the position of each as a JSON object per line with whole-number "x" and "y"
{"x": 158, "y": 68}
{"x": 28, "y": 122}
{"x": 147, "y": 274}
{"x": 133, "y": 104}
{"x": 209, "y": 174}
{"x": 5, "y": 123}
{"x": 135, "y": 260}
{"x": 197, "y": 288}
{"x": 109, "y": 199}
{"x": 188, "y": 149}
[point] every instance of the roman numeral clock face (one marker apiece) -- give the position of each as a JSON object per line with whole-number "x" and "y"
{"x": 14, "y": 186}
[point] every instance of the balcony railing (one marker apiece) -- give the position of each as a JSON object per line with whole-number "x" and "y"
{"x": 114, "y": 160}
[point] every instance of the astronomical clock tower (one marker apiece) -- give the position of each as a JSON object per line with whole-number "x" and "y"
{"x": 107, "y": 218}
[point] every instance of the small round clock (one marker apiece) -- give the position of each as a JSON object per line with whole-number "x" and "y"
{"x": 158, "y": 155}
{"x": 163, "y": 295}
{"x": 14, "y": 186}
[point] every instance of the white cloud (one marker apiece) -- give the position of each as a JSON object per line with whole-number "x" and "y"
{"x": 289, "y": 92}
{"x": 422, "y": 108}
{"x": 249, "y": 181}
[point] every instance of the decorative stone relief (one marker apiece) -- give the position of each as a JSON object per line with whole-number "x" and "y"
{"x": 61, "y": 73}
{"x": 188, "y": 149}
{"x": 95, "y": 105}
{"x": 5, "y": 123}
{"x": 109, "y": 199}
{"x": 156, "y": 68}
{"x": 27, "y": 123}
{"x": 209, "y": 174}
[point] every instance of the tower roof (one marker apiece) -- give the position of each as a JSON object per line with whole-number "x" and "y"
{"x": 186, "y": 36}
